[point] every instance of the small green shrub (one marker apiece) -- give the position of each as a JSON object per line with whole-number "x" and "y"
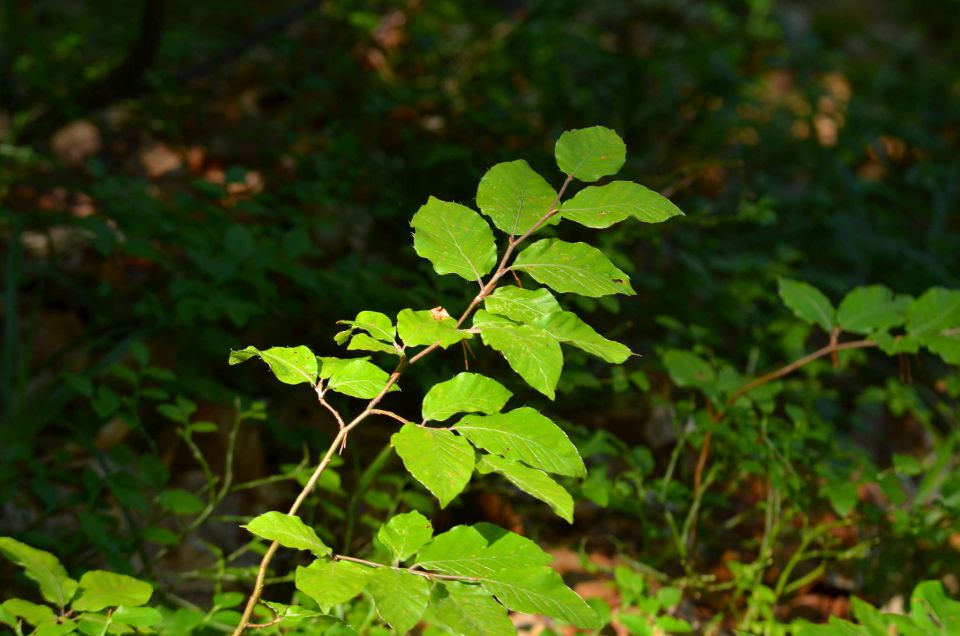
{"x": 481, "y": 569}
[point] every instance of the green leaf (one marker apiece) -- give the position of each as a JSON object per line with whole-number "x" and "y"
{"x": 533, "y": 353}
{"x": 42, "y": 568}
{"x": 842, "y": 496}
{"x": 535, "y": 483}
{"x": 933, "y": 610}
{"x": 378, "y": 325}
{"x": 946, "y": 346}
{"x": 669, "y": 597}
{"x": 478, "y": 550}
{"x": 868, "y": 309}
{"x": 807, "y": 302}
{"x": 511, "y": 567}
{"x": 602, "y": 206}
{"x": 6, "y": 618}
{"x": 438, "y": 459}
{"x": 405, "y": 534}
{"x": 542, "y": 591}
{"x": 100, "y": 589}
{"x": 180, "y": 502}
{"x": 464, "y": 393}
{"x": 514, "y": 196}
{"x": 67, "y": 626}
{"x": 937, "y": 310}
{"x": 291, "y": 365}
{"x": 572, "y": 267}
{"x": 569, "y": 329}
{"x": 590, "y": 153}
{"x": 287, "y": 530}
{"x": 297, "y": 615}
{"x": 468, "y": 610}
{"x": 401, "y": 597}
{"x": 893, "y": 345}
{"x": 137, "y": 616}
{"x": 687, "y": 369}
{"x": 363, "y": 342}
{"x": 418, "y": 328}
{"x": 95, "y": 624}
{"x": 356, "y": 377}
{"x": 521, "y": 305}
{"x": 524, "y": 435}
{"x": 454, "y": 238}
{"x": 673, "y": 625}
{"x": 331, "y": 583}
{"x": 30, "y": 612}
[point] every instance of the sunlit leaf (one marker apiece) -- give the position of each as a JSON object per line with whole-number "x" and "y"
{"x": 464, "y": 393}
{"x": 401, "y": 597}
{"x": 287, "y": 530}
{"x": 535, "y": 483}
{"x": 569, "y": 329}
{"x": 468, "y": 610}
{"x": 525, "y": 435}
{"x": 479, "y": 549}
{"x": 100, "y": 589}
{"x": 514, "y": 196}
{"x": 438, "y": 459}
{"x": 521, "y": 305}
{"x": 533, "y": 353}
{"x": 418, "y": 328}
{"x": 137, "y": 616}
{"x": 356, "y": 377}
{"x": 406, "y": 533}
{"x": 291, "y": 365}
{"x": 590, "y": 153}
{"x": 602, "y": 206}
{"x": 42, "y": 568}
{"x": 572, "y": 267}
{"x": 376, "y": 324}
{"x": 363, "y": 342}
{"x": 542, "y": 591}
{"x": 454, "y": 238}
{"x": 933, "y": 610}
{"x": 31, "y": 613}
{"x": 330, "y": 582}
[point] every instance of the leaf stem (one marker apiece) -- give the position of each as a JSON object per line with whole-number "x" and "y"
{"x": 371, "y": 409}
{"x": 399, "y": 418}
{"x": 830, "y": 349}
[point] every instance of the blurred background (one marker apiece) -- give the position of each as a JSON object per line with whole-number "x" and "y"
{"x": 182, "y": 178}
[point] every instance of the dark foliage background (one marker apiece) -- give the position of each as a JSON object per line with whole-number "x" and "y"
{"x": 182, "y": 178}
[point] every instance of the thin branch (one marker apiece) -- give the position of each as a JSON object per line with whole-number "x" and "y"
{"x": 796, "y": 364}
{"x": 273, "y": 621}
{"x": 502, "y": 267}
{"x": 400, "y": 419}
{"x": 371, "y": 408}
{"x": 715, "y": 416}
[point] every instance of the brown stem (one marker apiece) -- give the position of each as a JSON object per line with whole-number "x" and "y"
{"x": 400, "y": 419}
{"x": 371, "y": 409}
{"x": 715, "y": 416}
{"x": 796, "y": 364}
